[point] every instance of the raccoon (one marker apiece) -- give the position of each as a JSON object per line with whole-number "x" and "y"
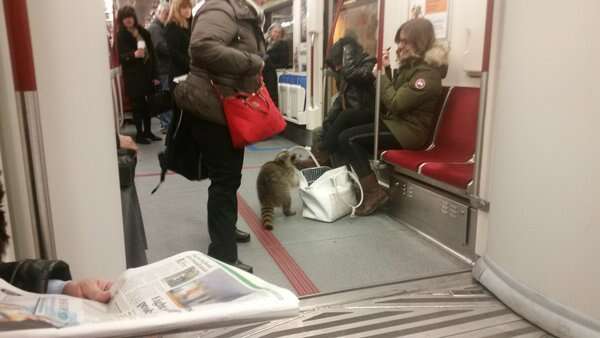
{"x": 275, "y": 180}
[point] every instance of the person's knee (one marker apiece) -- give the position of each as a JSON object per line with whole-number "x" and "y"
{"x": 316, "y": 135}
{"x": 225, "y": 183}
{"x": 344, "y": 139}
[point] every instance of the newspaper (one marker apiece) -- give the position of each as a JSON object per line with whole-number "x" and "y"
{"x": 188, "y": 291}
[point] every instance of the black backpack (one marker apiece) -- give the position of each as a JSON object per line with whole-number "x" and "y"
{"x": 181, "y": 155}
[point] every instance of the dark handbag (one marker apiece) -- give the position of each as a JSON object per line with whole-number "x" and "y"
{"x": 251, "y": 117}
{"x": 180, "y": 155}
{"x": 160, "y": 102}
{"x": 127, "y": 163}
{"x": 193, "y": 95}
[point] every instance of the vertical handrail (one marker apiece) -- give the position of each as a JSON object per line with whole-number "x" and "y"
{"x": 115, "y": 75}
{"x": 113, "y": 90}
{"x": 380, "y": 23}
{"x": 20, "y": 46}
{"x": 120, "y": 97}
{"x": 485, "y": 67}
{"x": 336, "y": 15}
{"x": 313, "y": 38}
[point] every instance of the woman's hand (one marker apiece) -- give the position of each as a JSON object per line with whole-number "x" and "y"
{"x": 139, "y": 53}
{"x": 126, "y": 142}
{"x": 386, "y": 58}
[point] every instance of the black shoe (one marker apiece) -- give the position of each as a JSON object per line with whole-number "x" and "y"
{"x": 241, "y": 236}
{"x": 243, "y": 266}
{"x": 152, "y": 137}
{"x": 141, "y": 140}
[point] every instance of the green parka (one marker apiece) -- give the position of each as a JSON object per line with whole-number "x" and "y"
{"x": 411, "y": 100}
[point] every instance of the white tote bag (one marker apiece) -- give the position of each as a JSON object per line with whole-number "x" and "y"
{"x": 328, "y": 194}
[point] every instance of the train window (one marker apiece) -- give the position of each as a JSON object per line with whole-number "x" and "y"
{"x": 356, "y": 14}
{"x": 361, "y": 14}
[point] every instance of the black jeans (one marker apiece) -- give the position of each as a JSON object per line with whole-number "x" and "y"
{"x": 339, "y": 120}
{"x": 357, "y": 145}
{"x": 224, "y": 168}
{"x": 141, "y": 114}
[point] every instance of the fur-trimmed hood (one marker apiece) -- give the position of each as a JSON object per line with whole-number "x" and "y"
{"x": 437, "y": 56}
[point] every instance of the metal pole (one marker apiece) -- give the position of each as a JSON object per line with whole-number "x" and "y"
{"x": 30, "y": 123}
{"x": 313, "y": 37}
{"x": 476, "y": 193}
{"x": 380, "y": 23}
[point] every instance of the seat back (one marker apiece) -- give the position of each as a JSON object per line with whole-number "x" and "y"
{"x": 438, "y": 109}
{"x": 457, "y": 128}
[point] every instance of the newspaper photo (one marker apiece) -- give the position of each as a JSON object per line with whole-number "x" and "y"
{"x": 187, "y": 291}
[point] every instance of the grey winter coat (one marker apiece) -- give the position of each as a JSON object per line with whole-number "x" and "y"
{"x": 226, "y": 47}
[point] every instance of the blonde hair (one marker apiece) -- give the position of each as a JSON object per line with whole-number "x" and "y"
{"x": 175, "y": 12}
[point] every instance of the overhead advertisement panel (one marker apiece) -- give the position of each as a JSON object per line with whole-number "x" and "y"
{"x": 435, "y": 11}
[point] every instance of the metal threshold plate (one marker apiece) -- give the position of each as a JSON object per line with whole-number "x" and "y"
{"x": 449, "y": 306}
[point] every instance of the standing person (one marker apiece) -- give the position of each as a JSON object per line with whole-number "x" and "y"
{"x": 178, "y": 33}
{"x": 227, "y": 46}
{"x": 163, "y": 57}
{"x": 136, "y": 54}
{"x": 410, "y": 100}
{"x": 278, "y": 56}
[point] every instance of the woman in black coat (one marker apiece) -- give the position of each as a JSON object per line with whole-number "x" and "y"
{"x": 355, "y": 104}
{"x": 278, "y": 56}
{"x": 136, "y": 54}
{"x": 177, "y": 34}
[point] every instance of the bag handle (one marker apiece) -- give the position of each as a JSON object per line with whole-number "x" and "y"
{"x": 357, "y": 181}
{"x": 245, "y": 96}
{"x": 307, "y": 150}
{"x": 259, "y": 79}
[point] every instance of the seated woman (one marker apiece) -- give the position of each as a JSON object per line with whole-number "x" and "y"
{"x": 409, "y": 104}
{"x": 276, "y": 57}
{"x": 355, "y": 103}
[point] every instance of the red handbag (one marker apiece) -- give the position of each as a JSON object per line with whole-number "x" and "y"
{"x": 251, "y": 117}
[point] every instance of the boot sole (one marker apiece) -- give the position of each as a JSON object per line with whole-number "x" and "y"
{"x": 378, "y": 205}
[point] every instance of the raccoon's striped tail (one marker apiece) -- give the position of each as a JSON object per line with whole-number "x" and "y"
{"x": 267, "y": 217}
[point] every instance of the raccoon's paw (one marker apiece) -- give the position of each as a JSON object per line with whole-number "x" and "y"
{"x": 289, "y": 213}
{"x": 268, "y": 227}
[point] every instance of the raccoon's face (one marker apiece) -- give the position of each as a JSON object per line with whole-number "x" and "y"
{"x": 286, "y": 158}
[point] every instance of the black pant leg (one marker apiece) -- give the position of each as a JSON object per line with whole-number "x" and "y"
{"x": 224, "y": 166}
{"x": 358, "y": 143}
{"x": 332, "y": 115}
{"x": 147, "y": 124}
{"x": 140, "y": 107}
{"x": 344, "y": 120}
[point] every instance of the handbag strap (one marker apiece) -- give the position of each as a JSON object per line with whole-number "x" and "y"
{"x": 261, "y": 83}
{"x": 357, "y": 181}
{"x": 245, "y": 96}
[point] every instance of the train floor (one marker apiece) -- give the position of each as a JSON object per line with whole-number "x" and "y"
{"x": 307, "y": 257}
{"x": 447, "y": 306}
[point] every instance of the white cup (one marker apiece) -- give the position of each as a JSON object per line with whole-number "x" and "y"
{"x": 141, "y": 44}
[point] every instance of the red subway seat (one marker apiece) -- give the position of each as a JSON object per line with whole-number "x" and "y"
{"x": 454, "y": 140}
{"x": 455, "y": 174}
